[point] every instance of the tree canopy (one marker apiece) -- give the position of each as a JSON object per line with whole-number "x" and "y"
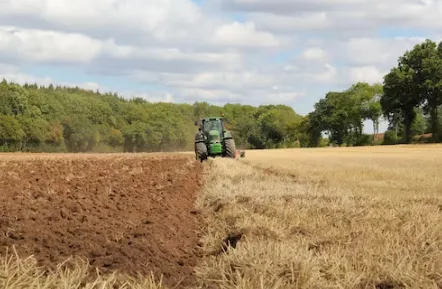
{"x": 415, "y": 83}
{"x": 63, "y": 119}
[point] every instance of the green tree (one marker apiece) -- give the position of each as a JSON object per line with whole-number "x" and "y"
{"x": 11, "y": 132}
{"x": 400, "y": 97}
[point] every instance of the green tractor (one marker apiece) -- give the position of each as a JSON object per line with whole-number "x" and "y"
{"x": 213, "y": 139}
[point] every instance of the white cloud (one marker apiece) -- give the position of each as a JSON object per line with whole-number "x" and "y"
{"x": 327, "y": 75}
{"x": 314, "y": 53}
{"x": 169, "y": 54}
{"x": 244, "y": 34}
{"x": 343, "y": 14}
{"x": 159, "y": 19}
{"x": 290, "y": 7}
{"x": 47, "y": 46}
{"x": 376, "y": 51}
{"x": 232, "y": 81}
{"x": 281, "y": 23}
{"x": 369, "y": 74}
{"x": 283, "y": 97}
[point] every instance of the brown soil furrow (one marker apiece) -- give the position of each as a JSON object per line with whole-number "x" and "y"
{"x": 131, "y": 214}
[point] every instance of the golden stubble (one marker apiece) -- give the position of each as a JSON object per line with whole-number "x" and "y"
{"x": 325, "y": 218}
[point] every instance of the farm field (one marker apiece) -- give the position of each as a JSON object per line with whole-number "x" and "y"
{"x": 296, "y": 218}
{"x": 326, "y": 218}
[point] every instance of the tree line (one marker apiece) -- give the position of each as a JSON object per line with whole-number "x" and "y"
{"x": 65, "y": 119}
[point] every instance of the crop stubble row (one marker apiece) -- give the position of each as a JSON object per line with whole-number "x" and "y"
{"x": 131, "y": 213}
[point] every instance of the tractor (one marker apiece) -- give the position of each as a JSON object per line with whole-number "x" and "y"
{"x": 213, "y": 139}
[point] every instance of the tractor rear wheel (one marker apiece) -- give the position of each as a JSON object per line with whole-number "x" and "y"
{"x": 230, "y": 148}
{"x": 201, "y": 151}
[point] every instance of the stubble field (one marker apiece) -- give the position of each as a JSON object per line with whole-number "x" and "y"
{"x": 303, "y": 218}
{"x": 327, "y": 218}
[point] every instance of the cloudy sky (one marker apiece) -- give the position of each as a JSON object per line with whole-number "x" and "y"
{"x": 243, "y": 51}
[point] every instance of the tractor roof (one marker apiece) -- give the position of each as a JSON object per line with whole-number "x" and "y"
{"x": 212, "y": 118}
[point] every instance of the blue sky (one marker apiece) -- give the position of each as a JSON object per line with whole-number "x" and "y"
{"x": 242, "y": 51}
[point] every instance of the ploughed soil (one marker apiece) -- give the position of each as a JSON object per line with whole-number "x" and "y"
{"x": 133, "y": 214}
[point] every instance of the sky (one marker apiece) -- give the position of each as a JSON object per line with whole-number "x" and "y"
{"x": 254, "y": 52}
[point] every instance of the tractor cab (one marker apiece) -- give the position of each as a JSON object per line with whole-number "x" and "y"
{"x": 213, "y": 127}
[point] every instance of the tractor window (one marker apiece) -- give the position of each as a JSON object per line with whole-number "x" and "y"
{"x": 212, "y": 125}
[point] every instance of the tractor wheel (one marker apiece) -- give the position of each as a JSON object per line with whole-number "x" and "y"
{"x": 201, "y": 151}
{"x": 230, "y": 148}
